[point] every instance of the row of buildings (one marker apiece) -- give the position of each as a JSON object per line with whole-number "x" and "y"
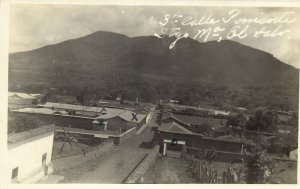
{"x": 26, "y": 165}
{"x": 193, "y": 125}
{"x": 190, "y": 129}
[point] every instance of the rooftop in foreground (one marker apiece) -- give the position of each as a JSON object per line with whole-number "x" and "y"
{"x": 17, "y": 137}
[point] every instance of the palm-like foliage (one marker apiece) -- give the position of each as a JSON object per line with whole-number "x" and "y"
{"x": 66, "y": 137}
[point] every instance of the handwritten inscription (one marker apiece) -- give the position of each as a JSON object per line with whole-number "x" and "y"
{"x": 232, "y": 26}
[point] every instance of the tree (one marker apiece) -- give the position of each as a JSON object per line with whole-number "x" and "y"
{"x": 261, "y": 140}
{"x": 237, "y": 122}
{"x": 258, "y": 166}
{"x": 263, "y": 121}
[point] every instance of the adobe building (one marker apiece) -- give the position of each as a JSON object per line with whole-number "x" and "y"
{"x": 116, "y": 119}
{"x": 172, "y": 136}
{"x": 29, "y": 155}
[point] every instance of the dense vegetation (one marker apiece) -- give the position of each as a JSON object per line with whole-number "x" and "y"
{"x": 104, "y": 64}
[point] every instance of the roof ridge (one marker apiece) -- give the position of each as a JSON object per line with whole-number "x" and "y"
{"x": 173, "y": 124}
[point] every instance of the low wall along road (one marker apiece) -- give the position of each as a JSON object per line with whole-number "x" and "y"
{"x": 119, "y": 139}
{"x": 63, "y": 163}
{"x": 142, "y": 168}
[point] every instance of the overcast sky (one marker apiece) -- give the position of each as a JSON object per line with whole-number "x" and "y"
{"x": 34, "y": 26}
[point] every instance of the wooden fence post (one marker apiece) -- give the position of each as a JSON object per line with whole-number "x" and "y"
{"x": 194, "y": 167}
{"x": 224, "y": 181}
{"x": 216, "y": 177}
{"x": 197, "y": 170}
{"x": 210, "y": 175}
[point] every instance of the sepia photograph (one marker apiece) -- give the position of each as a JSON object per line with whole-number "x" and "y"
{"x": 152, "y": 94}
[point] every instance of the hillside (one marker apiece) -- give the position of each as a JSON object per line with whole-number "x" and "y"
{"x": 110, "y": 63}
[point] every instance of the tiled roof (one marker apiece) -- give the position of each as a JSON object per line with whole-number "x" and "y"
{"x": 41, "y": 111}
{"x": 168, "y": 115}
{"x": 71, "y": 107}
{"x": 174, "y": 127}
{"x": 109, "y": 112}
{"x": 197, "y": 120}
{"x": 108, "y": 115}
{"x": 128, "y": 105}
{"x": 50, "y": 112}
{"x": 114, "y": 111}
{"x": 127, "y": 116}
{"x": 17, "y": 137}
{"x": 143, "y": 111}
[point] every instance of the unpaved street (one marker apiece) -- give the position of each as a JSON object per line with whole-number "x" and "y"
{"x": 114, "y": 166}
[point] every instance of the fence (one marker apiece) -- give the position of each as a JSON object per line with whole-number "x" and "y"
{"x": 205, "y": 173}
{"x": 67, "y": 162}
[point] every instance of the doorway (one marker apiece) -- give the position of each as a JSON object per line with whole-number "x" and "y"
{"x": 174, "y": 148}
{"x": 44, "y": 164}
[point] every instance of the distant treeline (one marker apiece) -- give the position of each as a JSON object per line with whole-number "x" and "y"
{"x": 277, "y": 97}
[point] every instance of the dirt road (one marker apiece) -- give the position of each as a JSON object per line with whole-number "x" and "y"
{"x": 114, "y": 166}
{"x": 168, "y": 170}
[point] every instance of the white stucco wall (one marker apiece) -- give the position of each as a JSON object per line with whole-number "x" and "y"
{"x": 294, "y": 154}
{"x": 27, "y": 155}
